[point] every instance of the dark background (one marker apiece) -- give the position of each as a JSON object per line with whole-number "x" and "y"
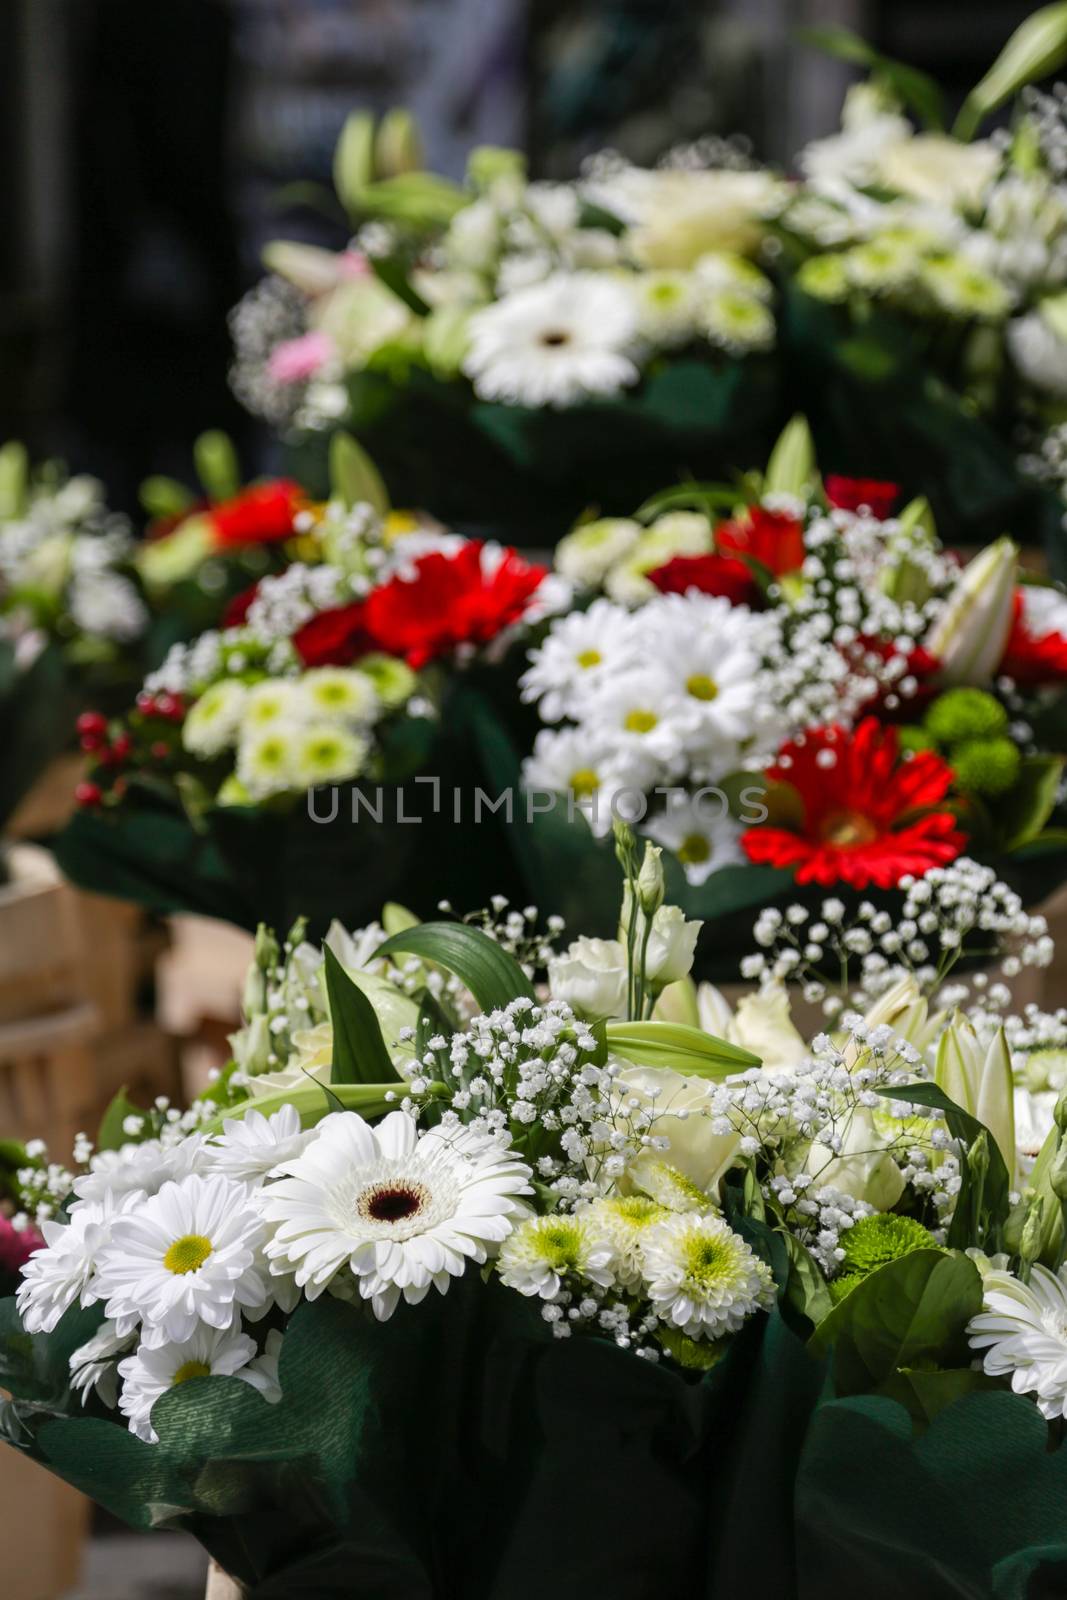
{"x": 145, "y": 146}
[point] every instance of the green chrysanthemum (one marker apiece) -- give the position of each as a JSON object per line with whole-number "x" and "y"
{"x": 965, "y": 714}
{"x": 873, "y": 1241}
{"x": 986, "y": 766}
{"x": 913, "y": 739}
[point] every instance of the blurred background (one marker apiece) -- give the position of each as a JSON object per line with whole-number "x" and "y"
{"x": 148, "y": 149}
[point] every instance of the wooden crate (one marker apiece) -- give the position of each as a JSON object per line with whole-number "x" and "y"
{"x": 48, "y": 1079}
{"x": 40, "y": 939}
{"x": 46, "y": 1522}
{"x": 49, "y": 805}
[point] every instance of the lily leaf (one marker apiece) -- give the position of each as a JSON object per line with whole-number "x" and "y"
{"x": 493, "y": 977}
{"x": 359, "y": 1052}
{"x": 369, "y": 1099}
{"x": 1027, "y": 807}
{"x": 354, "y": 476}
{"x": 915, "y": 89}
{"x": 679, "y": 1046}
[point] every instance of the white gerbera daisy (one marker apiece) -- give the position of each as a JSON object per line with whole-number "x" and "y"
{"x": 267, "y": 759}
{"x": 702, "y": 1277}
{"x": 555, "y": 343}
{"x": 405, "y": 1211}
{"x": 340, "y": 694}
{"x": 327, "y": 753}
{"x": 1021, "y": 1332}
{"x": 544, "y": 1251}
{"x": 187, "y": 1256}
{"x": 578, "y": 655}
{"x": 207, "y": 1353}
{"x": 702, "y": 836}
{"x": 94, "y": 1365}
{"x": 63, "y": 1272}
{"x": 587, "y": 554}
{"x": 250, "y": 1146}
{"x": 213, "y": 722}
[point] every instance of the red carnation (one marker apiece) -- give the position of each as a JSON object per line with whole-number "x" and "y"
{"x": 1032, "y": 658}
{"x": 718, "y": 575}
{"x": 862, "y": 494}
{"x": 262, "y": 514}
{"x": 773, "y": 538}
{"x": 868, "y": 817}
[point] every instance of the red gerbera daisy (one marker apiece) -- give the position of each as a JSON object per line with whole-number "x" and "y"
{"x": 262, "y": 514}
{"x": 862, "y": 494}
{"x": 1032, "y": 658}
{"x": 773, "y": 538}
{"x": 446, "y": 601}
{"x": 868, "y": 818}
{"x": 718, "y": 575}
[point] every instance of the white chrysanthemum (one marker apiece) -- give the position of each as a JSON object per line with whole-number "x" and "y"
{"x": 268, "y": 758}
{"x": 622, "y": 1223}
{"x": 339, "y": 694}
{"x": 587, "y": 554}
{"x": 94, "y": 1365}
{"x": 721, "y": 269}
{"x": 212, "y": 724}
{"x": 642, "y": 715}
{"x": 275, "y": 700}
{"x": 62, "y": 1273}
{"x": 554, "y": 344}
{"x": 544, "y": 1251}
{"x": 965, "y": 290}
{"x": 405, "y": 1211}
{"x": 667, "y": 306}
{"x": 736, "y": 321}
{"x": 581, "y": 652}
{"x": 151, "y": 1372}
{"x": 702, "y": 1277}
{"x": 1021, "y": 1333}
{"x": 702, "y": 836}
{"x": 187, "y": 1256}
{"x": 251, "y": 1146}
{"x": 144, "y": 1167}
{"x": 587, "y": 767}
{"x": 707, "y": 654}
{"x": 327, "y": 753}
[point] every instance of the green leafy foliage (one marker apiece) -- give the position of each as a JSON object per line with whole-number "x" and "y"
{"x": 359, "y": 1052}
{"x": 679, "y": 1046}
{"x": 981, "y": 1207}
{"x": 354, "y": 476}
{"x": 493, "y": 977}
{"x": 217, "y": 466}
{"x": 1036, "y": 49}
{"x": 915, "y": 89}
{"x": 111, "y": 1134}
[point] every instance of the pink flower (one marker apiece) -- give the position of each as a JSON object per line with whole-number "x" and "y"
{"x": 17, "y": 1245}
{"x": 297, "y": 360}
{"x": 352, "y": 264}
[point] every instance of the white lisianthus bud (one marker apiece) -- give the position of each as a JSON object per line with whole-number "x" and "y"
{"x": 671, "y": 946}
{"x": 969, "y": 637}
{"x": 650, "y": 887}
{"x": 592, "y": 977}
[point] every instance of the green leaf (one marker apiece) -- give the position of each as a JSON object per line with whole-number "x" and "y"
{"x": 706, "y": 497}
{"x": 392, "y": 274}
{"x": 217, "y": 466}
{"x": 432, "y": 1020}
{"x": 165, "y": 497}
{"x": 914, "y": 88}
{"x": 911, "y": 1313}
{"x": 1023, "y": 812}
{"x": 353, "y": 160}
{"x": 791, "y": 468}
{"x": 679, "y": 1046}
{"x": 369, "y": 1099}
{"x": 420, "y": 199}
{"x": 332, "y": 1102}
{"x": 14, "y": 479}
{"x": 962, "y": 1126}
{"x": 806, "y": 1289}
{"x": 111, "y": 1135}
{"x": 924, "y": 1392}
{"x": 395, "y": 918}
{"x": 1037, "y": 48}
{"x": 359, "y": 1053}
{"x": 493, "y": 977}
{"x": 354, "y": 477}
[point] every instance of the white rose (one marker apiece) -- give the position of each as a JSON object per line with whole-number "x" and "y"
{"x": 683, "y": 214}
{"x": 761, "y": 1023}
{"x": 591, "y": 976}
{"x": 671, "y": 946}
{"x": 941, "y": 170}
{"x": 681, "y": 1107}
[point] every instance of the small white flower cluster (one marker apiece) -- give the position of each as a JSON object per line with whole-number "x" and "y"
{"x": 62, "y": 567}
{"x": 844, "y": 959}
{"x": 270, "y": 314}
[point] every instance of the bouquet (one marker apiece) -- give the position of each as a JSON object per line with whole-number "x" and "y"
{"x": 928, "y": 286}
{"x": 469, "y": 1208}
{"x": 73, "y": 618}
{"x": 788, "y": 683}
{"x": 561, "y": 343}
{"x": 320, "y": 729}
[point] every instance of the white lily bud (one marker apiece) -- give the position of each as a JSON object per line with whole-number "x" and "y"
{"x": 969, "y": 636}
{"x": 979, "y": 1079}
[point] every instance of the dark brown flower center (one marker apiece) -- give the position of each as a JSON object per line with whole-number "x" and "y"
{"x": 392, "y": 1203}
{"x": 554, "y": 337}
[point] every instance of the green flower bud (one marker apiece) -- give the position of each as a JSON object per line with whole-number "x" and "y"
{"x": 625, "y": 847}
{"x": 1033, "y": 1232}
{"x": 986, "y": 766}
{"x": 1060, "y": 1113}
{"x": 978, "y": 1158}
{"x": 650, "y": 886}
{"x": 1057, "y": 1173}
{"x": 965, "y": 714}
{"x": 266, "y": 947}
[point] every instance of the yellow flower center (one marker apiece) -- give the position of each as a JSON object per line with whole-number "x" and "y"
{"x": 846, "y": 829}
{"x": 640, "y": 721}
{"x": 589, "y": 658}
{"x": 701, "y": 687}
{"x": 191, "y": 1369}
{"x": 584, "y": 781}
{"x": 188, "y": 1253}
{"x": 694, "y": 849}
